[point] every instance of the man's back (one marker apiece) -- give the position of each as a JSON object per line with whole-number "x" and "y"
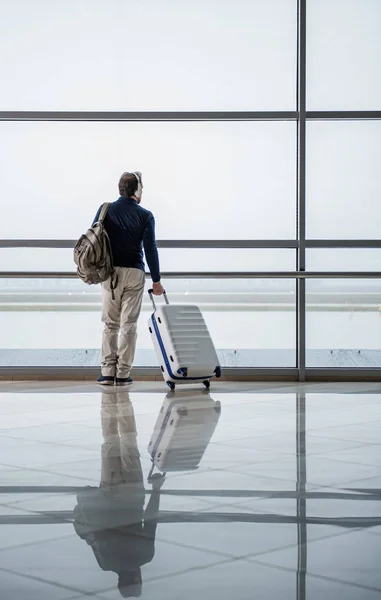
{"x": 129, "y": 226}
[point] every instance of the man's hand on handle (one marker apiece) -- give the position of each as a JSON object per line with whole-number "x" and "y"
{"x": 158, "y": 289}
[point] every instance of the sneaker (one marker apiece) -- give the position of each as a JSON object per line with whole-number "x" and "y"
{"x": 105, "y": 380}
{"x": 123, "y": 380}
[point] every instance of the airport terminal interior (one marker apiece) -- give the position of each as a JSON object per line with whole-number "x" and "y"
{"x": 256, "y": 125}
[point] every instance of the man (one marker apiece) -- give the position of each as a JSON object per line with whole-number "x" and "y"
{"x": 129, "y": 227}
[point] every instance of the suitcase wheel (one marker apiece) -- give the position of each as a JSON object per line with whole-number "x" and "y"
{"x": 183, "y": 371}
{"x": 206, "y": 384}
{"x": 217, "y": 371}
{"x": 171, "y": 385}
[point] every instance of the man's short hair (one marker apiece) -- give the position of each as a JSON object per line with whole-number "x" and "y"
{"x": 128, "y": 184}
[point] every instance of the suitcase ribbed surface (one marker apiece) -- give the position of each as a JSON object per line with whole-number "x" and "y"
{"x": 188, "y": 446}
{"x": 189, "y": 335}
{"x": 183, "y": 431}
{"x": 188, "y": 436}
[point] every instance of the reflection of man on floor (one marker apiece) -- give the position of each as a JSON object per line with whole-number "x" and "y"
{"x": 111, "y": 518}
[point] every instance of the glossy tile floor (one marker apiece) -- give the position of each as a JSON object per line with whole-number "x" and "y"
{"x": 285, "y": 502}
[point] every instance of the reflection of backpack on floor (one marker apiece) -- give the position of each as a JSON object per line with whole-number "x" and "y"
{"x": 122, "y": 536}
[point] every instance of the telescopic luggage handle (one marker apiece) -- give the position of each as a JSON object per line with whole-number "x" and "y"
{"x": 150, "y": 292}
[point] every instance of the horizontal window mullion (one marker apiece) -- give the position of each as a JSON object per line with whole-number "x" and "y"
{"x": 336, "y": 115}
{"x": 210, "y": 275}
{"x": 161, "y": 243}
{"x": 148, "y": 116}
{"x": 343, "y": 243}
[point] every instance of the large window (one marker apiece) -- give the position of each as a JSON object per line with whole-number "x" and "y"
{"x": 343, "y": 55}
{"x": 343, "y": 179}
{"x": 128, "y": 55}
{"x": 217, "y": 180}
{"x": 267, "y": 214}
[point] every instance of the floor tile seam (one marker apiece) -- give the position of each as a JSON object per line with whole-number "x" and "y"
{"x": 279, "y": 479}
{"x": 330, "y": 427}
{"x": 190, "y": 570}
{"x": 318, "y": 576}
{"x": 50, "y": 408}
{"x": 351, "y": 462}
{"x": 225, "y": 555}
{"x": 61, "y": 446}
{"x": 263, "y": 461}
{"x": 93, "y": 596}
{"x": 350, "y": 484}
{"x": 14, "y": 506}
{"x": 265, "y": 552}
{"x": 45, "y": 497}
{"x": 356, "y": 446}
{"x": 36, "y": 542}
{"x": 42, "y": 580}
{"x": 296, "y": 544}
{"x": 290, "y": 454}
{"x": 310, "y": 483}
{"x": 228, "y": 444}
{"x": 324, "y": 437}
{"x": 204, "y": 500}
{"x": 47, "y": 424}
{"x": 155, "y": 578}
{"x": 375, "y": 533}
{"x": 60, "y": 472}
{"x": 269, "y": 493}
{"x": 33, "y": 440}
{"x": 36, "y": 470}
{"x": 319, "y": 454}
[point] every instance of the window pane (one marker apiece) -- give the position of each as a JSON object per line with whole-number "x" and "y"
{"x": 171, "y": 259}
{"x": 343, "y": 259}
{"x": 343, "y": 54}
{"x": 37, "y": 259}
{"x": 148, "y": 55}
{"x": 252, "y": 322}
{"x": 344, "y": 179}
{"x": 343, "y": 323}
{"x": 218, "y": 180}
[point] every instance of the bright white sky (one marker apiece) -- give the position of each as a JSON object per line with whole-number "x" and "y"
{"x": 202, "y": 180}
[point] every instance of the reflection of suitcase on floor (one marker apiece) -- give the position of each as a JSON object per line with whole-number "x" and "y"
{"x": 183, "y": 344}
{"x": 183, "y": 431}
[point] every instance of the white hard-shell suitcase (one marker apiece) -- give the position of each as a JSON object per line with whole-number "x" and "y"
{"x": 183, "y": 430}
{"x": 183, "y": 344}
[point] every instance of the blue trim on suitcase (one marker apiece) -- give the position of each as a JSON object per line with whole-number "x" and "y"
{"x": 167, "y": 363}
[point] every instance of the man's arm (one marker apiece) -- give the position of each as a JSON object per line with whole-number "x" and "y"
{"x": 151, "y": 513}
{"x": 150, "y": 250}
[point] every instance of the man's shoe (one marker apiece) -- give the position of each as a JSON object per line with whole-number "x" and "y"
{"x": 124, "y": 380}
{"x": 105, "y": 380}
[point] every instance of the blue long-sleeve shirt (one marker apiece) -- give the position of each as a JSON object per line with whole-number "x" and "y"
{"x": 131, "y": 227}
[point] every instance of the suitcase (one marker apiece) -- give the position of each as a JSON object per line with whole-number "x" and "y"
{"x": 182, "y": 432}
{"x": 183, "y": 344}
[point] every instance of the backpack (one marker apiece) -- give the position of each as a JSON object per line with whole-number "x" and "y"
{"x": 93, "y": 255}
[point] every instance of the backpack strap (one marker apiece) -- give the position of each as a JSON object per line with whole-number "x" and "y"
{"x": 103, "y": 212}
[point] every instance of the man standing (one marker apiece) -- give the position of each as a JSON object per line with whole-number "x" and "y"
{"x": 130, "y": 227}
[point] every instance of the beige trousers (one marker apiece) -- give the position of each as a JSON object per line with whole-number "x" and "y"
{"x": 120, "y": 317}
{"x": 120, "y": 453}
